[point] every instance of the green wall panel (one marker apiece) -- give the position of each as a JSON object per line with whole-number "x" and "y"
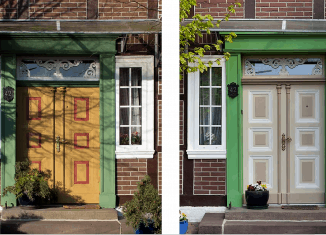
{"x": 107, "y": 131}
{"x": 234, "y": 135}
{"x": 60, "y": 44}
{"x": 8, "y": 128}
{"x": 277, "y": 43}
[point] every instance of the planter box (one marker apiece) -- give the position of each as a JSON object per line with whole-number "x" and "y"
{"x": 183, "y": 226}
{"x": 257, "y": 199}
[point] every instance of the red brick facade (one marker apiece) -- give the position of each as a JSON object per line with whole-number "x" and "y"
{"x": 76, "y": 9}
{"x": 264, "y": 9}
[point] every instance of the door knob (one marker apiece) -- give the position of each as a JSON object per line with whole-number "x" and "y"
{"x": 57, "y": 140}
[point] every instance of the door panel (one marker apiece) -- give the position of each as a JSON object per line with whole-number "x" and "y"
{"x": 82, "y": 128}
{"x": 307, "y": 145}
{"x": 35, "y": 120}
{"x": 294, "y": 173}
{"x": 70, "y": 115}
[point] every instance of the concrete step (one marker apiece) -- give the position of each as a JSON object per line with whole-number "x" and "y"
{"x": 58, "y": 213}
{"x": 274, "y": 227}
{"x": 211, "y": 223}
{"x": 274, "y": 213}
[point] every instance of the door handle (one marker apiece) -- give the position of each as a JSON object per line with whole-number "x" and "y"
{"x": 57, "y": 140}
{"x": 289, "y": 139}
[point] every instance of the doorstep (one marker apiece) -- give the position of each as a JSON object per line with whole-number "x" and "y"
{"x": 273, "y": 220}
{"x": 59, "y": 213}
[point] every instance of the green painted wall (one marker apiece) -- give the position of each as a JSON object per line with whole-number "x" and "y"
{"x": 8, "y": 128}
{"x": 61, "y": 45}
{"x": 234, "y": 134}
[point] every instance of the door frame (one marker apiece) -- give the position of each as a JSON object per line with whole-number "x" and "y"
{"x": 58, "y": 44}
{"x": 256, "y": 43}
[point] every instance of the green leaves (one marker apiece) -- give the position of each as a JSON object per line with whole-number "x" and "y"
{"x": 199, "y": 25}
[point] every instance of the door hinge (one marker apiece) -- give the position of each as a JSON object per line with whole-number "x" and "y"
{"x": 241, "y": 111}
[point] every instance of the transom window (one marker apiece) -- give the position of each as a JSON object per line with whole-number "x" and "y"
{"x": 207, "y": 112}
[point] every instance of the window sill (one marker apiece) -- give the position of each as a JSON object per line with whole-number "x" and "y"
{"x": 134, "y": 154}
{"x": 206, "y": 154}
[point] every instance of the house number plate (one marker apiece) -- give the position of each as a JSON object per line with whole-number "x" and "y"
{"x": 8, "y": 93}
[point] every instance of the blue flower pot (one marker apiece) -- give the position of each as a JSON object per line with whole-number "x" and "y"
{"x": 183, "y": 226}
{"x": 145, "y": 230}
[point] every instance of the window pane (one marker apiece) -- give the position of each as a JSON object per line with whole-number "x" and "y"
{"x": 283, "y": 66}
{"x": 135, "y": 116}
{"x": 136, "y": 135}
{"x": 136, "y": 77}
{"x": 124, "y": 116}
{"x": 216, "y": 116}
{"x": 124, "y": 135}
{"x": 216, "y": 76}
{"x": 204, "y": 116}
{"x": 124, "y": 77}
{"x": 135, "y": 96}
{"x": 204, "y": 135}
{"x": 204, "y": 78}
{"x": 216, "y": 135}
{"x": 124, "y": 96}
{"x": 204, "y": 96}
{"x": 216, "y": 96}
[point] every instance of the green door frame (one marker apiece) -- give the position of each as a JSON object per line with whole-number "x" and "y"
{"x": 249, "y": 43}
{"x": 58, "y": 44}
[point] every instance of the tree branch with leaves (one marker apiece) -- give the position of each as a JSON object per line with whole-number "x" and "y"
{"x": 199, "y": 25}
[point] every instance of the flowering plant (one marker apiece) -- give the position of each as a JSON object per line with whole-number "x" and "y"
{"x": 135, "y": 138}
{"x": 182, "y": 216}
{"x": 124, "y": 139}
{"x": 257, "y": 187}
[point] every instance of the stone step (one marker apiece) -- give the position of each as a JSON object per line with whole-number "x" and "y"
{"x": 58, "y": 213}
{"x": 274, "y": 227}
{"x": 274, "y": 213}
{"x": 211, "y": 223}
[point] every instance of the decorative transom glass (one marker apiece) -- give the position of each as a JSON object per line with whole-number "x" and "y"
{"x": 283, "y": 66}
{"x": 53, "y": 69}
{"x": 130, "y": 103}
{"x": 210, "y": 107}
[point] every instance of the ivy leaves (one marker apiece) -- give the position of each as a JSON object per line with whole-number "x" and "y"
{"x": 199, "y": 25}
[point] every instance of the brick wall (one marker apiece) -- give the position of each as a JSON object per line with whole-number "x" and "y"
{"x": 273, "y": 9}
{"x": 209, "y": 177}
{"x": 129, "y": 172}
{"x": 284, "y": 9}
{"x": 75, "y": 9}
{"x": 218, "y": 8}
{"x": 122, "y": 9}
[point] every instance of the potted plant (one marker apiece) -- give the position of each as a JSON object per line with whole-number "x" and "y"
{"x": 144, "y": 211}
{"x": 31, "y": 185}
{"x": 183, "y": 223}
{"x": 257, "y": 196}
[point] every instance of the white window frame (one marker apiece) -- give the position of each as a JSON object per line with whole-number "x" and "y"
{"x": 146, "y": 149}
{"x": 196, "y": 151}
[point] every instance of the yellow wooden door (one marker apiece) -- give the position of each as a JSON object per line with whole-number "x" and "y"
{"x": 58, "y": 130}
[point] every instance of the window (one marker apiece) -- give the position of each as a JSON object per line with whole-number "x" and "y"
{"x": 207, "y": 112}
{"x": 134, "y": 107}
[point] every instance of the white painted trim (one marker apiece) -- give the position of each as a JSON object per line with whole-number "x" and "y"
{"x": 196, "y": 151}
{"x": 270, "y": 169}
{"x": 251, "y": 139}
{"x": 297, "y": 108}
{"x": 297, "y": 172}
{"x": 270, "y": 116}
{"x": 146, "y": 149}
{"x": 298, "y": 147}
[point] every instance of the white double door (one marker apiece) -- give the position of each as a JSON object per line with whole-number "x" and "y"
{"x": 283, "y": 137}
